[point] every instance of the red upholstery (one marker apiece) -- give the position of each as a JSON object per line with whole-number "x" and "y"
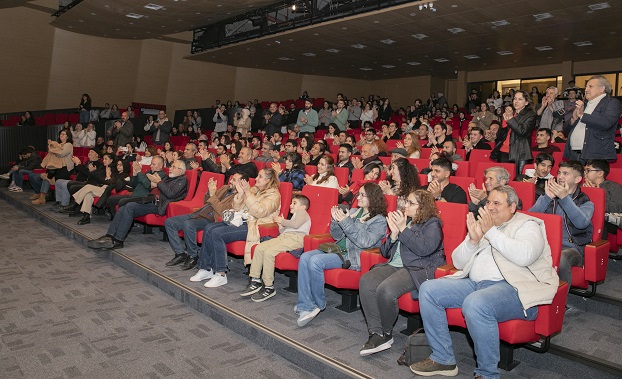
{"x": 526, "y": 193}
{"x": 310, "y": 170}
{"x": 596, "y": 254}
{"x": 321, "y": 200}
{"x": 463, "y": 182}
{"x": 478, "y": 155}
{"x": 342, "y": 174}
{"x": 157, "y": 220}
{"x": 197, "y": 201}
{"x": 463, "y": 168}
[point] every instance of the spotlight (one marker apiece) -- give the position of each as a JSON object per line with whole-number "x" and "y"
{"x": 294, "y": 7}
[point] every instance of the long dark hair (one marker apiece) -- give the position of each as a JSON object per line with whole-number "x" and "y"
{"x": 377, "y": 201}
{"x": 69, "y": 135}
{"x": 296, "y": 161}
{"x": 330, "y": 169}
{"x": 409, "y": 177}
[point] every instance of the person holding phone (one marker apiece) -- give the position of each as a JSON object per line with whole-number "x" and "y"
{"x": 359, "y": 229}
{"x": 415, "y": 249}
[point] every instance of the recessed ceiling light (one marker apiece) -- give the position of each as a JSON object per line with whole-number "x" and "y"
{"x": 472, "y": 56}
{"x": 365, "y": 68}
{"x": 344, "y": 28}
{"x": 388, "y": 66}
{"x": 542, "y": 16}
{"x": 359, "y": 46}
{"x": 309, "y": 54}
{"x": 285, "y": 59}
{"x": 500, "y": 23}
{"x": 583, "y": 43}
{"x": 419, "y": 36}
{"x": 154, "y": 7}
{"x": 413, "y": 63}
{"x": 441, "y": 60}
{"x": 599, "y": 6}
{"x": 543, "y": 48}
{"x": 505, "y": 52}
{"x": 388, "y": 41}
{"x": 455, "y": 30}
{"x": 333, "y": 50}
{"x": 134, "y": 15}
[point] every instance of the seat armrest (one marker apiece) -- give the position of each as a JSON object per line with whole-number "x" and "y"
{"x": 311, "y": 242}
{"x": 551, "y": 316}
{"x": 596, "y": 259}
{"x": 369, "y": 258}
{"x": 444, "y": 271}
{"x": 270, "y": 229}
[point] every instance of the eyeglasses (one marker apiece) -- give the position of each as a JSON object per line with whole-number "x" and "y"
{"x": 588, "y": 170}
{"x": 361, "y": 194}
{"x": 410, "y": 202}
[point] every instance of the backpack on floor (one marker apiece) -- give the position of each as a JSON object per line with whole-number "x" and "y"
{"x": 416, "y": 349}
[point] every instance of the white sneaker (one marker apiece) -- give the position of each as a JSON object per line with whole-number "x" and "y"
{"x": 4, "y": 176}
{"x": 216, "y": 281}
{"x": 16, "y": 189}
{"x": 12, "y": 185}
{"x": 202, "y": 275}
{"x": 307, "y": 316}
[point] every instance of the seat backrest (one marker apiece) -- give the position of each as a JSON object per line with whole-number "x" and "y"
{"x": 321, "y": 199}
{"x": 463, "y": 182}
{"x": 479, "y": 155}
{"x": 310, "y": 169}
{"x": 597, "y": 196}
{"x": 260, "y": 165}
{"x": 553, "y": 225}
{"x": 526, "y": 192}
{"x": 285, "y": 189}
{"x": 423, "y": 179}
{"x": 463, "y": 168}
{"x": 192, "y": 176}
{"x": 421, "y": 163}
{"x": 453, "y": 217}
{"x": 615, "y": 175}
{"x": 385, "y": 160}
{"x": 203, "y": 182}
{"x": 342, "y": 174}
{"x": 482, "y": 166}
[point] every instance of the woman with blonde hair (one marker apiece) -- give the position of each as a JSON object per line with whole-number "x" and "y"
{"x": 325, "y": 176}
{"x": 261, "y": 203}
{"x": 411, "y": 144}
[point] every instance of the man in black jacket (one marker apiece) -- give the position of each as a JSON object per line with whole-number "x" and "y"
{"x": 64, "y": 187}
{"x": 170, "y": 189}
{"x": 245, "y": 164}
{"x": 161, "y": 129}
{"x": 27, "y": 162}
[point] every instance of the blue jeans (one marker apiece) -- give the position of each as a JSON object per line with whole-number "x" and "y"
{"x": 18, "y": 177}
{"x": 311, "y": 279}
{"x": 216, "y": 235}
{"x": 483, "y": 304}
{"x": 123, "y": 220}
{"x": 189, "y": 226}
{"x": 61, "y": 192}
{"x": 85, "y": 117}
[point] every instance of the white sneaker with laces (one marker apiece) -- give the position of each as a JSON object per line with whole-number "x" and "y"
{"x": 16, "y": 189}
{"x": 4, "y": 176}
{"x": 216, "y": 281}
{"x": 202, "y": 275}
{"x": 12, "y": 185}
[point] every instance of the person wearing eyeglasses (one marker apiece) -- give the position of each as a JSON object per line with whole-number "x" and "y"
{"x": 172, "y": 188}
{"x": 414, "y": 248}
{"x": 595, "y": 175}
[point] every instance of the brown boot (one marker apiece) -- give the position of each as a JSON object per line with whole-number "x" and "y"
{"x": 34, "y": 196}
{"x": 40, "y": 200}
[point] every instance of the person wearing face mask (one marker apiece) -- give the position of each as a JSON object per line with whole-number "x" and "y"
{"x": 172, "y": 188}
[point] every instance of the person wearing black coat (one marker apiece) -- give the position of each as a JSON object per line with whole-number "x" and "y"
{"x": 513, "y": 142}
{"x": 414, "y": 250}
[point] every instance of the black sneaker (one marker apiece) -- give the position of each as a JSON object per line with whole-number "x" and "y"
{"x": 377, "y": 343}
{"x": 267, "y": 293}
{"x": 428, "y": 367}
{"x": 252, "y": 288}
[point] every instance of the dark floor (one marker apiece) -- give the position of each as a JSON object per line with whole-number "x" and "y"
{"x": 76, "y": 291}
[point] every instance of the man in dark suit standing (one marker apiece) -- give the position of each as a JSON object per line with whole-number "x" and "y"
{"x": 592, "y": 128}
{"x": 161, "y": 129}
{"x": 123, "y": 130}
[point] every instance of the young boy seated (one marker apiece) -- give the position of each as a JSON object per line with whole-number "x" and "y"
{"x": 291, "y": 237}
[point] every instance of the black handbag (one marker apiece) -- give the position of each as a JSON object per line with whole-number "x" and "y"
{"x": 416, "y": 349}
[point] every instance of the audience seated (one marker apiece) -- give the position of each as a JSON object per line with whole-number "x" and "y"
{"x": 500, "y": 279}
{"x": 291, "y": 237}
{"x": 402, "y": 178}
{"x": 294, "y": 171}
{"x": 440, "y": 187}
{"x": 540, "y": 174}
{"x": 543, "y": 136}
{"x": 172, "y": 188}
{"x": 57, "y": 164}
{"x": 564, "y": 197}
{"x": 217, "y": 200}
{"x": 595, "y": 175}
{"x": 325, "y": 175}
{"x": 414, "y": 248}
{"x": 27, "y": 161}
{"x": 348, "y": 193}
{"x": 244, "y": 165}
{"x": 494, "y": 177}
{"x": 360, "y": 228}
{"x": 261, "y": 203}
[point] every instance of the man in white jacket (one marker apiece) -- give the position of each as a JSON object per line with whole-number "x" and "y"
{"x": 505, "y": 272}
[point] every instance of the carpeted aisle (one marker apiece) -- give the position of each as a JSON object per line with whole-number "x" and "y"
{"x": 67, "y": 313}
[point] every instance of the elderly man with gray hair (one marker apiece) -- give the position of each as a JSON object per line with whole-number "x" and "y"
{"x": 493, "y": 177}
{"x": 593, "y": 125}
{"x": 551, "y": 111}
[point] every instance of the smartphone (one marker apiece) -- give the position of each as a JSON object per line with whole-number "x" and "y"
{"x": 344, "y": 208}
